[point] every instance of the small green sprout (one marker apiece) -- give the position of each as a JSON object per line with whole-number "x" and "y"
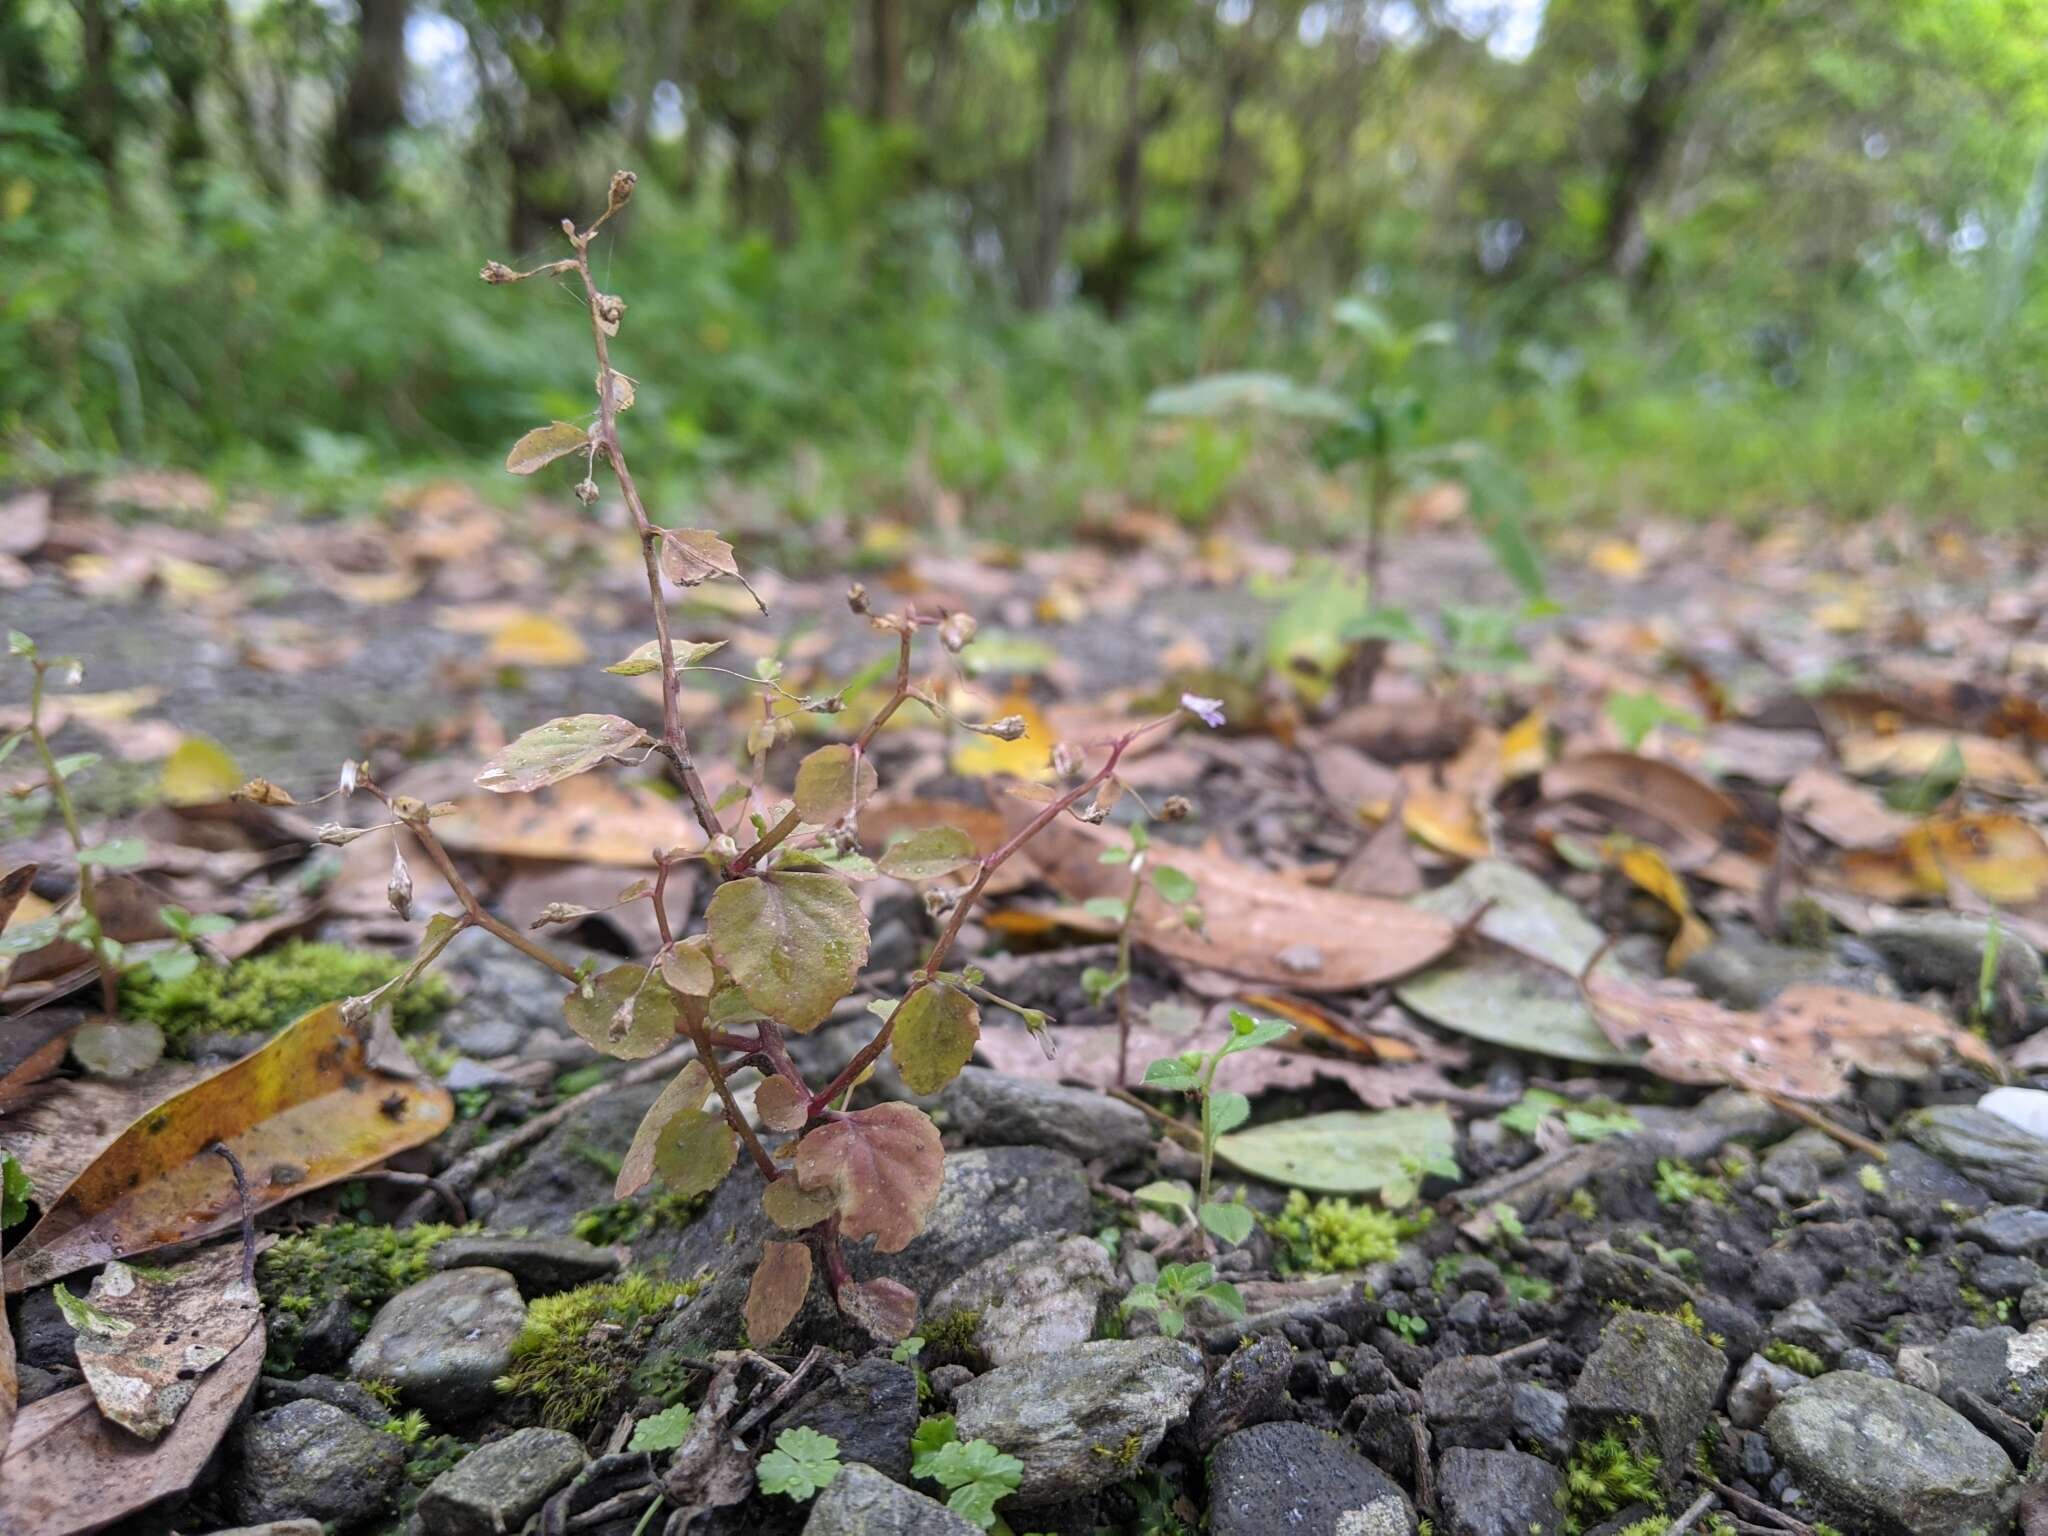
{"x": 1178, "y": 1287}
{"x": 1174, "y": 887}
{"x": 662, "y": 1431}
{"x": 1195, "y": 1073}
{"x": 1409, "y": 1326}
{"x": 803, "y": 1463}
{"x": 974, "y": 1473}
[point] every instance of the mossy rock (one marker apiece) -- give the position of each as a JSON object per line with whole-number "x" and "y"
{"x": 268, "y": 991}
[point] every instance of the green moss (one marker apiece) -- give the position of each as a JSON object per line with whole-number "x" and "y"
{"x": 1605, "y": 1474}
{"x": 1681, "y": 1184}
{"x": 950, "y": 1340}
{"x": 1655, "y": 1525}
{"x": 268, "y": 991}
{"x": 577, "y": 1349}
{"x": 1330, "y": 1235}
{"x": 626, "y": 1221}
{"x": 1125, "y": 1455}
{"x": 1795, "y": 1357}
{"x": 426, "y": 1458}
{"x": 1806, "y": 924}
{"x": 364, "y": 1265}
{"x": 1582, "y": 1205}
{"x": 1871, "y": 1177}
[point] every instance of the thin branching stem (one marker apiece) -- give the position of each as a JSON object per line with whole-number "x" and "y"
{"x": 88, "y": 895}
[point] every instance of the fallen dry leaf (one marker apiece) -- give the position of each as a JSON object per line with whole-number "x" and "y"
{"x": 1845, "y": 813}
{"x": 593, "y": 819}
{"x": 151, "y": 1338}
{"x": 1803, "y": 1045}
{"x": 1258, "y": 925}
{"x": 2000, "y": 857}
{"x": 304, "y": 1110}
{"x": 1702, "y": 820}
{"x": 68, "y": 1471}
{"x": 1911, "y": 754}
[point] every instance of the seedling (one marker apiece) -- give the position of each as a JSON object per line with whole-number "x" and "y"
{"x": 975, "y": 1474}
{"x": 1410, "y": 1327}
{"x": 662, "y": 1431}
{"x": 1195, "y": 1073}
{"x": 802, "y": 1464}
{"x": 1593, "y": 1120}
{"x": 1178, "y": 1288}
{"x": 1174, "y": 887}
{"x": 785, "y": 936}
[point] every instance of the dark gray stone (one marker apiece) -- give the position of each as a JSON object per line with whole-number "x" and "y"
{"x": 541, "y": 1265}
{"x": 497, "y": 1486}
{"x": 1916, "y": 1179}
{"x": 1249, "y": 1388}
{"x": 312, "y": 1461}
{"x": 1306, "y": 1482}
{"x": 2000, "y": 1366}
{"x": 1946, "y": 950}
{"x": 1499, "y": 1493}
{"x": 572, "y": 1169}
{"x": 1806, "y": 1324}
{"x": 1868, "y": 1361}
{"x": 1759, "y": 1386}
{"x": 1745, "y": 970}
{"x": 41, "y": 1336}
{"x": 275, "y": 1528}
{"x": 1542, "y": 1418}
{"x": 444, "y": 1342}
{"x": 330, "y": 1336}
{"x": 1990, "y": 1152}
{"x": 1883, "y": 1458}
{"x": 274, "y": 1392}
{"x": 1653, "y": 1382}
{"x": 993, "y": 1109}
{"x": 1084, "y": 1419}
{"x": 2018, "y": 1229}
{"x": 1467, "y": 1402}
{"x": 2005, "y": 1274}
{"x": 862, "y": 1502}
{"x": 870, "y": 1409}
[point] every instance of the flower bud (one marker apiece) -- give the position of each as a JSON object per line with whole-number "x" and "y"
{"x": 621, "y": 190}
{"x": 857, "y": 598}
{"x": 586, "y": 491}
{"x": 335, "y": 835}
{"x": 1176, "y": 808}
{"x": 1009, "y": 728}
{"x": 957, "y": 633}
{"x": 399, "y": 891}
{"x": 497, "y": 272}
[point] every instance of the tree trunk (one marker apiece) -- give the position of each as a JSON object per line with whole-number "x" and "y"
{"x": 1052, "y": 205}
{"x": 98, "y": 114}
{"x": 889, "y": 98}
{"x": 373, "y": 106}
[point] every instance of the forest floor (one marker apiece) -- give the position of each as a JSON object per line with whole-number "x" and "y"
{"x": 1648, "y": 952}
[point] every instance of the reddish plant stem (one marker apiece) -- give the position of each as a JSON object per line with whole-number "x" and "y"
{"x": 869, "y": 1053}
{"x": 423, "y": 834}
{"x": 868, "y": 732}
{"x": 769, "y": 841}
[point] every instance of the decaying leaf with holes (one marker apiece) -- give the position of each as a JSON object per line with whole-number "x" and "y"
{"x": 306, "y": 1109}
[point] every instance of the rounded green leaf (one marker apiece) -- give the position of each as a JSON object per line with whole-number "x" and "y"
{"x": 795, "y": 943}
{"x": 935, "y": 1034}
{"x": 1175, "y": 885}
{"x": 694, "y": 1152}
{"x": 928, "y": 853}
{"x": 622, "y": 1017}
{"x": 559, "y": 750}
{"x": 1344, "y": 1152}
{"x": 832, "y": 782}
{"x": 792, "y": 1208}
{"x": 686, "y": 1091}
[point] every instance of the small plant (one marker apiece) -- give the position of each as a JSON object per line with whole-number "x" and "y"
{"x": 1173, "y": 887}
{"x": 785, "y": 935}
{"x": 1871, "y": 1177}
{"x": 577, "y": 1348}
{"x": 1178, "y": 1288}
{"x": 1410, "y": 1327}
{"x": 802, "y": 1464}
{"x": 1593, "y": 1120}
{"x": 1635, "y": 715}
{"x": 14, "y": 1192}
{"x": 1795, "y": 1357}
{"x": 1194, "y": 1073}
{"x": 1533, "y": 1290}
{"x": 1680, "y": 1184}
{"x": 975, "y": 1474}
{"x": 268, "y": 991}
{"x": 662, "y": 1431}
{"x": 1987, "y": 971}
{"x": 411, "y": 1427}
{"x": 1605, "y": 1474}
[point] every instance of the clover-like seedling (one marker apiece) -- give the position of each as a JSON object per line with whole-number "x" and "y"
{"x": 785, "y": 934}
{"x": 975, "y": 1473}
{"x": 1178, "y": 1288}
{"x": 1194, "y": 1073}
{"x": 662, "y": 1431}
{"x": 802, "y": 1464}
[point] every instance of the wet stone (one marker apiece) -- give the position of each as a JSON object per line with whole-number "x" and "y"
{"x": 1653, "y": 1382}
{"x": 1304, "y": 1481}
{"x": 311, "y": 1460}
{"x": 497, "y": 1486}
{"x": 444, "y": 1342}
{"x": 870, "y": 1408}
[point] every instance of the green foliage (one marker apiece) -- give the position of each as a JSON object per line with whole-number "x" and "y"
{"x": 427, "y": 1456}
{"x": 627, "y": 1221}
{"x": 802, "y": 1463}
{"x": 1331, "y": 1233}
{"x": 1795, "y": 1357}
{"x": 14, "y": 1192}
{"x": 364, "y": 1266}
{"x": 410, "y": 1427}
{"x": 1635, "y": 715}
{"x": 1591, "y": 1120}
{"x": 1409, "y": 1326}
{"x": 1679, "y": 1183}
{"x": 1177, "y": 1289}
{"x": 1606, "y": 1474}
{"x": 974, "y": 1473}
{"x": 663, "y": 1431}
{"x": 1194, "y": 1073}
{"x": 268, "y": 991}
{"x": 576, "y": 1349}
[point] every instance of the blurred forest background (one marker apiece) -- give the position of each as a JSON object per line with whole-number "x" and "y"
{"x": 1689, "y": 256}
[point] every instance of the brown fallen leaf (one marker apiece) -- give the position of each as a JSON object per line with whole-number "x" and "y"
{"x": 13, "y": 886}
{"x": 149, "y": 1339}
{"x": 304, "y": 1110}
{"x": 1258, "y": 925}
{"x": 68, "y": 1471}
{"x": 592, "y": 819}
{"x": 1702, "y": 820}
{"x": 1843, "y": 812}
{"x": 1803, "y": 1045}
{"x": 1912, "y": 754}
{"x": 1087, "y": 1054}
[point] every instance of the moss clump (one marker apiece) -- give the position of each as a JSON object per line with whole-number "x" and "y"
{"x": 950, "y": 1340}
{"x": 1681, "y": 1184}
{"x": 577, "y": 1349}
{"x": 268, "y": 991}
{"x": 364, "y": 1266}
{"x": 1795, "y": 1357}
{"x": 1329, "y": 1235}
{"x": 1606, "y": 1475}
{"x": 626, "y": 1221}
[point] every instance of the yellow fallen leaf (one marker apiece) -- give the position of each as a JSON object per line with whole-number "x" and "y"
{"x": 189, "y": 580}
{"x": 109, "y": 708}
{"x": 536, "y": 640}
{"x": 2000, "y": 857}
{"x": 1028, "y": 757}
{"x": 1446, "y": 820}
{"x": 1616, "y": 559}
{"x": 200, "y": 772}
{"x": 1525, "y": 747}
{"x": 1648, "y": 870}
{"x": 1911, "y": 754}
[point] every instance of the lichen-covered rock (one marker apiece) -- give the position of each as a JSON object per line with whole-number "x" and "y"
{"x": 497, "y": 1486}
{"x": 862, "y": 1502}
{"x": 1085, "y": 1418}
{"x": 443, "y": 1342}
{"x": 1033, "y": 1298}
{"x": 1304, "y": 1481}
{"x": 1889, "y": 1460}
{"x": 1467, "y": 1401}
{"x": 1653, "y": 1382}
{"x": 311, "y": 1461}
{"x": 1759, "y": 1386}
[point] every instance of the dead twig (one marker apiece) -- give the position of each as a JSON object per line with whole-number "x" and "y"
{"x": 1693, "y": 1511}
{"x": 221, "y": 1150}
{"x": 1823, "y": 1124}
{"x": 1758, "y": 1508}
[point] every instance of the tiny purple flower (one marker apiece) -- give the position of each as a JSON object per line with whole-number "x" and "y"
{"x": 1208, "y": 711}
